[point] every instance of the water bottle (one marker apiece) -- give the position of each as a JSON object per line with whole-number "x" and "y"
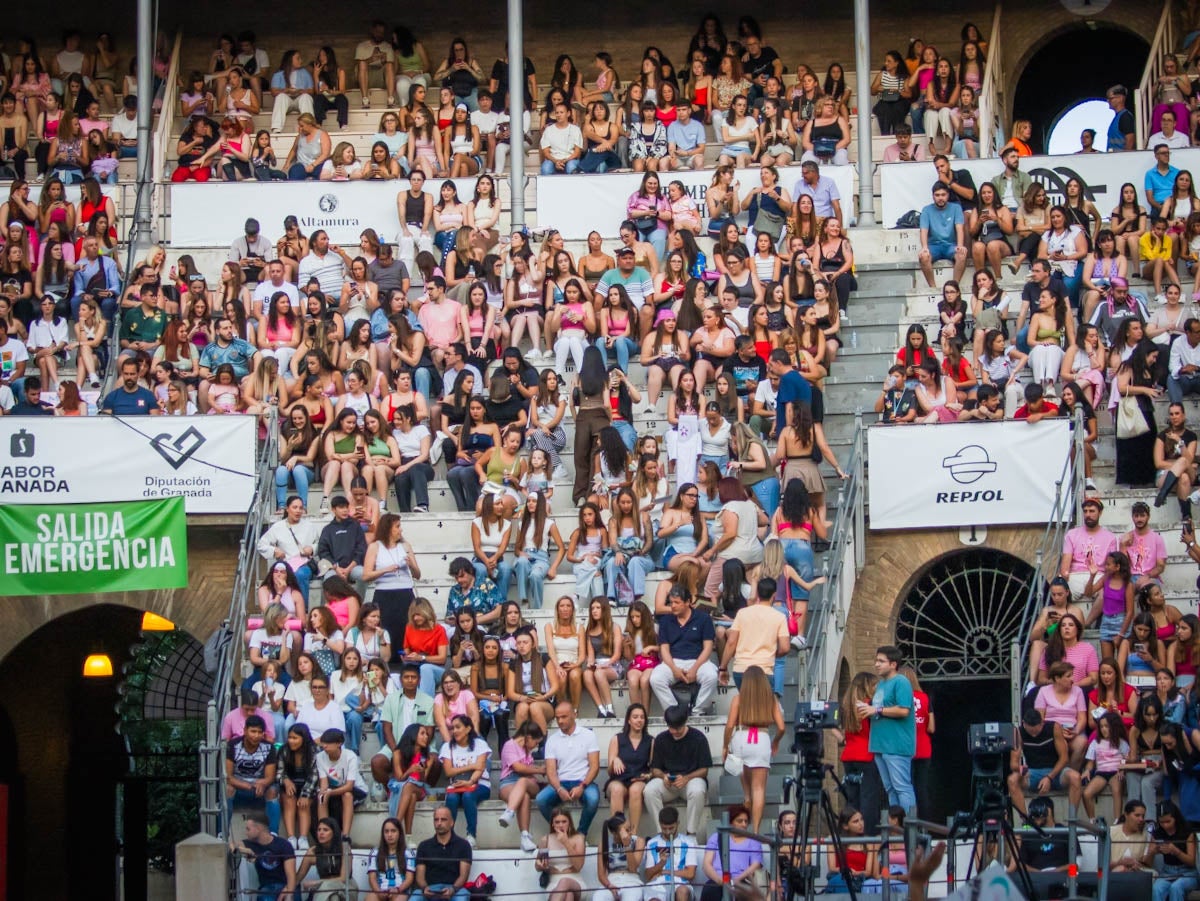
{"x": 700, "y": 266}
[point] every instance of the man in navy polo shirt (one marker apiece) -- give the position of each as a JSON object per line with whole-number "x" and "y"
{"x": 686, "y": 639}
{"x": 131, "y": 399}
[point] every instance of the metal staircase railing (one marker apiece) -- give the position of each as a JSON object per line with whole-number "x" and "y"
{"x": 828, "y": 604}
{"x": 1068, "y": 508}
{"x": 230, "y": 647}
{"x": 1161, "y": 47}
{"x": 991, "y": 95}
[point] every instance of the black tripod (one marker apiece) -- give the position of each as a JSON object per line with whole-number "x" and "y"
{"x": 989, "y": 825}
{"x": 811, "y": 796}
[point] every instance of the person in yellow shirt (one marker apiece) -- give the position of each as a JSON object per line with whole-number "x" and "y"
{"x": 1154, "y": 250}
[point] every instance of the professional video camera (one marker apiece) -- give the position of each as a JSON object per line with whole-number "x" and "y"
{"x": 812, "y": 718}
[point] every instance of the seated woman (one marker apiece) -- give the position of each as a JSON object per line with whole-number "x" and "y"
{"x": 746, "y": 870}
{"x": 563, "y": 859}
{"x": 1141, "y": 654}
{"x": 826, "y": 136}
{"x": 991, "y": 224}
{"x": 1112, "y": 694}
{"x": 532, "y": 681}
{"x": 519, "y": 775}
{"x": 1051, "y": 329}
{"x": 425, "y": 644}
{"x": 453, "y": 701}
{"x": 331, "y": 858}
{"x": 1063, "y": 703}
{"x": 1100, "y": 267}
{"x": 859, "y": 861}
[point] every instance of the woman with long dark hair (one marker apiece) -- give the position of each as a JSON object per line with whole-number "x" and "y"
{"x": 593, "y": 415}
{"x": 331, "y": 858}
{"x": 1135, "y": 378}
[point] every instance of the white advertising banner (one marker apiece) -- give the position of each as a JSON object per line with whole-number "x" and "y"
{"x": 209, "y": 460}
{"x": 907, "y": 186}
{"x": 965, "y": 474}
{"x": 212, "y": 214}
{"x": 577, "y": 204}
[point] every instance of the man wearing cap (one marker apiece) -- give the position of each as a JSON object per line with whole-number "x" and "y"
{"x": 252, "y": 251}
{"x": 635, "y": 280}
{"x": 822, "y": 189}
{"x": 1122, "y": 131}
{"x": 1084, "y": 545}
{"x": 1146, "y": 549}
{"x": 123, "y": 129}
{"x": 1011, "y": 184}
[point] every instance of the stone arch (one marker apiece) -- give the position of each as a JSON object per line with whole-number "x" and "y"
{"x": 1073, "y": 62}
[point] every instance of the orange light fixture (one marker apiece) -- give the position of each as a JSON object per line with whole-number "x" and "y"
{"x": 97, "y": 666}
{"x": 152, "y": 622}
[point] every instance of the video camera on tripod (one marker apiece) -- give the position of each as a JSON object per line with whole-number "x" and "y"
{"x": 813, "y": 718}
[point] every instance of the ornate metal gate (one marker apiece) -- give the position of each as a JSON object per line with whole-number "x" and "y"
{"x": 962, "y": 614}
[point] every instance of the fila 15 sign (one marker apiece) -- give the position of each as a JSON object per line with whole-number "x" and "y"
{"x": 206, "y": 460}
{"x": 965, "y": 474}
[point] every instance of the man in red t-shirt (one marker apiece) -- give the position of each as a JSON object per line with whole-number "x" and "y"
{"x": 1036, "y": 407}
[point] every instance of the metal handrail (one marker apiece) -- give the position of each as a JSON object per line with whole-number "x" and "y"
{"x": 991, "y": 93}
{"x": 847, "y": 536}
{"x": 1161, "y": 47}
{"x": 249, "y": 574}
{"x": 1068, "y": 507}
{"x": 166, "y": 118}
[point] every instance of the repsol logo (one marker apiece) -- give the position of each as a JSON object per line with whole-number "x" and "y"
{"x": 969, "y": 497}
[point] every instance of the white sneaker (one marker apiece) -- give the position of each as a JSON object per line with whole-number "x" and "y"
{"x": 799, "y": 642}
{"x": 324, "y": 506}
{"x": 528, "y": 845}
{"x": 1161, "y": 298}
{"x": 292, "y": 840}
{"x": 507, "y": 817}
{"x": 471, "y": 841}
{"x": 302, "y": 843}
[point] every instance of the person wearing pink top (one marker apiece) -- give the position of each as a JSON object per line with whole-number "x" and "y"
{"x": 1062, "y": 702}
{"x": 519, "y": 779}
{"x": 440, "y": 317}
{"x": 1084, "y": 544}
{"x": 1146, "y": 549}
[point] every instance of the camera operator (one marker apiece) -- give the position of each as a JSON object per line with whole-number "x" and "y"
{"x": 1041, "y": 853}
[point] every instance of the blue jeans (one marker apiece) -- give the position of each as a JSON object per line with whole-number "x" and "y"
{"x": 469, "y": 802}
{"x": 298, "y": 173}
{"x": 431, "y": 678}
{"x": 895, "y": 771}
{"x": 799, "y": 556}
{"x": 504, "y": 571}
{"x": 1178, "y": 387}
{"x": 461, "y": 895}
{"x": 69, "y": 176}
{"x": 1023, "y": 339}
{"x": 622, "y": 347}
{"x": 767, "y": 492}
{"x": 599, "y": 161}
{"x": 531, "y": 572}
{"x": 245, "y": 798}
{"x": 627, "y": 432}
{"x": 354, "y": 723}
{"x": 300, "y": 474}
{"x": 636, "y": 569}
{"x": 422, "y": 382}
{"x": 548, "y": 168}
{"x": 548, "y": 799}
{"x": 304, "y": 576}
{"x": 1175, "y": 889}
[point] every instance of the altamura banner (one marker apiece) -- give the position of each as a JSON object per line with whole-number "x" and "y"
{"x": 84, "y": 548}
{"x": 965, "y": 474}
{"x": 341, "y": 208}
{"x": 908, "y": 186}
{"x": 207, "y": 460}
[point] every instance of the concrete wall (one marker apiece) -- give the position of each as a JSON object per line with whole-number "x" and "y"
{"x": 197, "y": 609}
{"x": 895, "y": 560}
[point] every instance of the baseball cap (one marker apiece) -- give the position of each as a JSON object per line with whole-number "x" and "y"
{"x": 663, "y": 315}
{"x": 625, "y": 249}
{"x": 461, "y": 106}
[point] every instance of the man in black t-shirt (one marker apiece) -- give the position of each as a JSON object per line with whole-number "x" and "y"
{"x": 758, "y": 62}
{"x": 679, "y": 763}
{"x": 746, "y": 368}
{"x": 1042, "y": 853}
{"x": 273, "y": 857}
{"x": 250, "y": 763}
{"x": 443, "y": 862}
{"x": 498, "y": 84}
{"x": 958, "y": 182}
{"x": 897, "y": 403}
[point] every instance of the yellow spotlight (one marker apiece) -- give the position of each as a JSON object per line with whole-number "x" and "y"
{"x": 97, "y": 666}
{"x": 152, "y": 622}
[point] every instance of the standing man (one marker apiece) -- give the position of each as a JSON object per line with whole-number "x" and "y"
{"x": 572, "y": 765}
{"x": 1122, "y": 131}
{"x": 443, "y": 862}
{"x": 376, "y": 53}
{"x": 942, "y": 228}
{"x": 893, "y": 728}
{"x": 679, "y": 764}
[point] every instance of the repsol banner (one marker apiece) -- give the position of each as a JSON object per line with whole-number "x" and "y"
{"x": 207, "y": 460}
{"x": 964, "y": 474}
{"x": 85, "y": 548}
{"x": 908, "y": 186}
{"x": 577, "y": 204}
